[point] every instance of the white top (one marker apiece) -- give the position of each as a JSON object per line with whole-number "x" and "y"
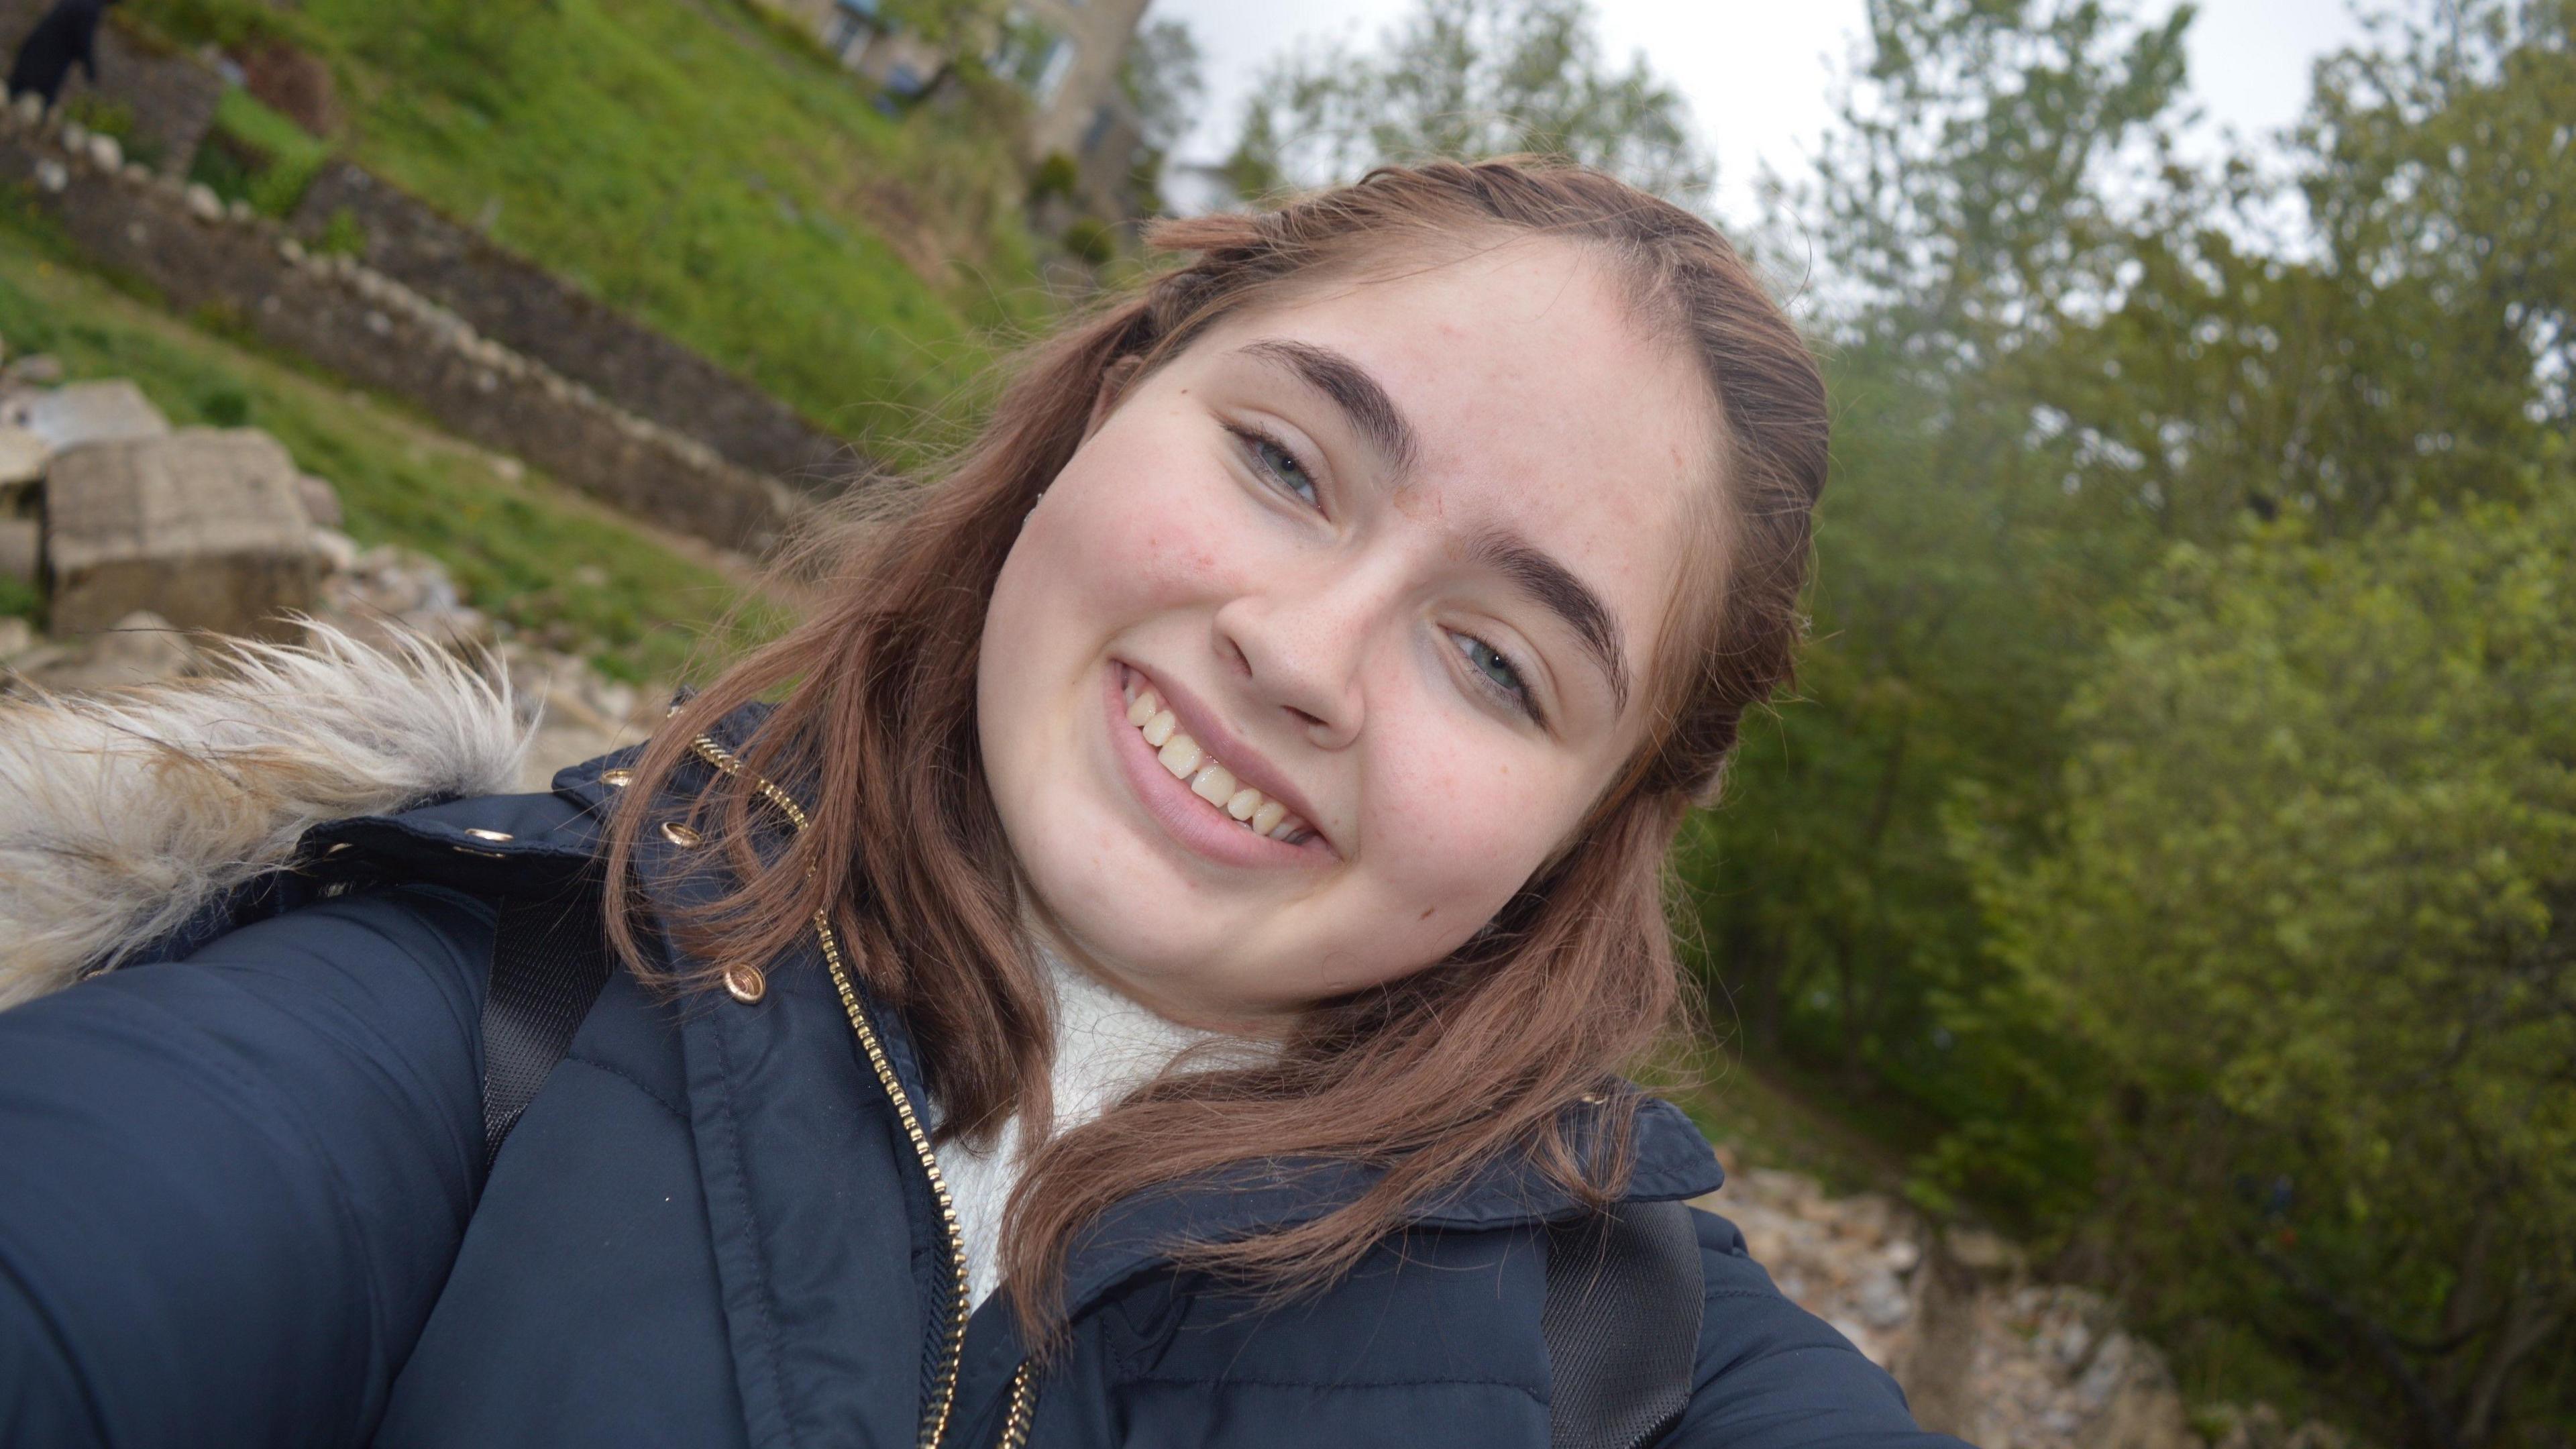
{"x": 1106, "y": 1046}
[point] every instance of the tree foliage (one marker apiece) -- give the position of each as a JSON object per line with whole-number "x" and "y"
{"x": 2309, "y": 911}
{"x": 2165, "y": 826}
{"x": 1468, "y": 78}
{"x": 1163, "y": 80}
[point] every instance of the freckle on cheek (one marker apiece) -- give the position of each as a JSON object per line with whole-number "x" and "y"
{"x": 1426, "y": 913}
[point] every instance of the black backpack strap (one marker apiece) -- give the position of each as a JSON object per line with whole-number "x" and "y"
{"x": 548, "y": 963}
{"x": 1624, "y": 1295}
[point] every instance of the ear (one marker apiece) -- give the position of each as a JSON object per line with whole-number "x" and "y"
{"x": 1113, "y": 386}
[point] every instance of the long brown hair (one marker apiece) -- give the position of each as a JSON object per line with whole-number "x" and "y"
{"x": 1429, "y": 1078}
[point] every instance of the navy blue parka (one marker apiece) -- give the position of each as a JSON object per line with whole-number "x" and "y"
{"x": 243, "y": 1201}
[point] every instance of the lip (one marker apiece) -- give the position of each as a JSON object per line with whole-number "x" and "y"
{"x": 1184, "y": 816}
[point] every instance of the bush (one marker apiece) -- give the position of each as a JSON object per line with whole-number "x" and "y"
{"x": 1091, "y": 240}
{"x": 2309, "y": 916}
{"x": 1054, "y": 178}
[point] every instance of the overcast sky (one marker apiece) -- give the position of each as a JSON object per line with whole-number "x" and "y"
{"x": 1756, "y": 73}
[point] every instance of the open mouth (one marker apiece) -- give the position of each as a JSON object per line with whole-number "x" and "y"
{"x": 1196, "y": 795}
{"x": 1207, "y": 777}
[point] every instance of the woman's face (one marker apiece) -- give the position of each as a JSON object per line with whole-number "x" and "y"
{"x": 1392, "y": 561}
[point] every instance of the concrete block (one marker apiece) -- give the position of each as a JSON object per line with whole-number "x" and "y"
{"x": 87, "y": 412}
{"x": 22, "y": 456}
{"x": 202, "y": 527}
{"x": 21, "y": 556}
{"x": 321, "y": 501}
{"x": 141, "y": 648}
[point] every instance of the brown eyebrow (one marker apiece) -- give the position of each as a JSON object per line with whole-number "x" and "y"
{"x": 1554, "y": 587}
{"x": 1351, "y": 389}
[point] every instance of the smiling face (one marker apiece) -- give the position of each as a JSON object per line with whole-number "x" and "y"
{"x": 1378, "y": 572}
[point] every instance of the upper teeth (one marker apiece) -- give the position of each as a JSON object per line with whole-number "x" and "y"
{"x": 1207, "y": 779}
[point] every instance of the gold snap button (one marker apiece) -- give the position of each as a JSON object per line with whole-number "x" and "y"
{"x": 680, "y": 835}
{"x": 481, "y": 834}
{"x": 745, "y": 984}
{"x": 619, "y": 778}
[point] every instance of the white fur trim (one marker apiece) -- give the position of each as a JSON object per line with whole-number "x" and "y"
{"x": 123, "y": 812}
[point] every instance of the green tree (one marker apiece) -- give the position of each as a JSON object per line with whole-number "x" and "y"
{"x": 1468, "y": 78}
{"x": 1959, "y": 212}
{"x": 1163, "y": 81}
{"x": 2309, "y": 911}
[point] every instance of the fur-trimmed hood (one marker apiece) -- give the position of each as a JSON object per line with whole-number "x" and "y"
{"x": 123, "y": 812}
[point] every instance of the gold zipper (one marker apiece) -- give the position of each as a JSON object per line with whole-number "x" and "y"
{"x": 944, "y": 1392}
{"x": 1024, "y": 1402}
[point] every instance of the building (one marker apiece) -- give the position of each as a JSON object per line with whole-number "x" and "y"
{"x": 1068, "y": 54}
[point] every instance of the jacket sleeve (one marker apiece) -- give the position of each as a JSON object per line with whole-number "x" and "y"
{"x": 1774, "y": 1376}
{"x": 231, "y": 1187}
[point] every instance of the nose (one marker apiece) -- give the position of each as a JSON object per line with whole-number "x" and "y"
{"x": 1297, "y": 644}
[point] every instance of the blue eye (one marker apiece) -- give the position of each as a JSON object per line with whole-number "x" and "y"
{"x": 1273, "y": 458}
{"x": 1497, "y": 670}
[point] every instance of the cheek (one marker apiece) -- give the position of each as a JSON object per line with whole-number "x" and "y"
{"x": 1458, "y": 825}
{"x": 1130, "y": 524}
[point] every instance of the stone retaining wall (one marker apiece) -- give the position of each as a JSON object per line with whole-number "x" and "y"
{"x": 170, "y": 96}
{"x": 525, "y": 307}
{"x": 381, "y": 334}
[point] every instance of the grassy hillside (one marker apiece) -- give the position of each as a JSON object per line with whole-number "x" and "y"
{"x": 529, "y": 552}
{"x": 691, "y": 163}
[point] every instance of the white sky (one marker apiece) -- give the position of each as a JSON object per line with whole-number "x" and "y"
{"x": 1756, "y": 71}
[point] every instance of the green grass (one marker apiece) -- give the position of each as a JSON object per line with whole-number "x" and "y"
{"x": 258, "y": 156}
{"x": 531, "y": 553}
{"x": 680, "y": 161}
{"x": 1764, "y": 1120}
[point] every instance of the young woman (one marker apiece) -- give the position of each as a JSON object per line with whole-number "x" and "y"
{"x": 1146, "y": 961}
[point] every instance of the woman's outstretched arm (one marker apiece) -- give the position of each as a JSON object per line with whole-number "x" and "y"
{"x": 1774, "y": 1376}
{"x": 231, "y": 1187}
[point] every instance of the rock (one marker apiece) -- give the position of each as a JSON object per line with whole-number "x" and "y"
{"x": 17, "y": 636}
{"x": 203, "y": 204}
{"x": 51, "y": 175}
{"x": 337, "y": 550}
{"x": 75, "y": 136}
{"x": 1982, "y": 1352}
{"x": 87, "y": 412}
{"x": 1882, "y": 1301}
{"x": 321, "y": 501}
{"x": 28, "y": 109}
{"x": 202, "y": 527}
{"x": 1983, "y": 1251}
{"x": 36, "y": 369}
{"x": 105, "y": 153}
{"x": 21, "y": 552}
{"x": 139, "y": 648}
{"x": 22, "y": 456}
{"x": 385, "y": 591}
{"x": 294, "y": 84}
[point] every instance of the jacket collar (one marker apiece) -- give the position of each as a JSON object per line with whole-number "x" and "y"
{"x": 133, "y": 815}
{"x": 1670, "y": 1158}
